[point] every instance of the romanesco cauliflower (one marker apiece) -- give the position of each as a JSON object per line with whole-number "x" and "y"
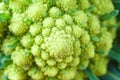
{"x": 56, "y": 39}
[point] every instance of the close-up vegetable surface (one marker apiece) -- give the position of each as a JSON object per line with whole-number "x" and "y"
{"x": 58, "y": 39}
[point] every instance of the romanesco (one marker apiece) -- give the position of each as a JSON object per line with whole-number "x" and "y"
{"x": 56, "y": 39}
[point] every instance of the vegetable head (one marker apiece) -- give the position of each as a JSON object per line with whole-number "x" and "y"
{"x": 58, "y": 39}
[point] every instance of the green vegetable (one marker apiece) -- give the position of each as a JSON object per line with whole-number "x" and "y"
{"x": 56, "y": 39}
{"x": 4, "y": 17}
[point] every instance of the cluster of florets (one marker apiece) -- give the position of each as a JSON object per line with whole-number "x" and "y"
{"x": 56, "y": 39}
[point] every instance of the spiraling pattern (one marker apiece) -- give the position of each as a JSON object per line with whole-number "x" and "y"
{"x": 57, "y": 39}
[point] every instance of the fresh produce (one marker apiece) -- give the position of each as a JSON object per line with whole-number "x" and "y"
{"x": 55, "y": 39}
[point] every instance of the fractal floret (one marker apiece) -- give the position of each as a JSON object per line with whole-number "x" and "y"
{"x": 56, "y": 39}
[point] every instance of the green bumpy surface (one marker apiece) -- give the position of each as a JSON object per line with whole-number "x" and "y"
{"x": 56, "y": 39}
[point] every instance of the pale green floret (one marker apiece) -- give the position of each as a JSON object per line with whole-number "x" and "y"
{"x": 50, "y": 71}
{"x": 37, "y": 11}
{"x": 18, "y": 28}
{"x": 35, "y": 73}
{"x": 36, "y": 50}
{"x": 38, "y": 39}
{"x": 61, "y": 65}
{"x": 43, "y": 46}
{"x": 102, "y": 6}
{"x": 75, "y": 62}
{"x": 90, "y": 50}
{"x": 100, "y": 64}
{"x": 55, "y": 12}
{"x": 15, "y": 73}
{"x": 79, "y": 75}
{"x": 68, "y": 5}
{"x": 68, "y": 59}
{"x": 40, "y": 62}
{"x": 18, "y": 17}
{"x": 85, "y": 37}
{"x": 22, "y": 57}
{"x": 45, "y": 55}
{"x": 61, "y": 46}
{"x": 94, "y": 25}
{"x": 67, "y": 74}
{"x": 35, "y": 29}
{"x": 51, "y": 62}
{"x": 80, "y": 18}
{"x": 54, "y": 30}
{"x": 84, "y": 4}
{"x": 18, "y": 5}
{"x": 27, "y": 41}
{"x": 46, "y": 32}
{"x": 105, "y": 42}
{"x": 9, "y": 44}
{"x": 77, "y": 48}
{"x": 68, "y": 29}
{"x": 60, "y": 23}
{"x": 58, "y": 3}
{"x": 48, "y": 22}
{"x": 77, "y": 31}
{"x": 2, "y": 7}
{"x": 68, "y": 19}
{"x": 83, "y": 64}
